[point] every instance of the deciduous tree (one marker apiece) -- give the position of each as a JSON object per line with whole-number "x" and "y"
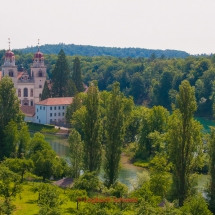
{"x": 115, "y": 130}
{"x": 76, "y": 153}
{"x": 19, "y": 166}
{"x": 211, "y": 188}
{"x": 92, "y": 131}
{"x": 23, "y": 140}
{"x": 9, "y": 188}
{"x": 9, "y": 110}
{"x": 47, "y": 164}
{"x": 50, "y": 201}
{"x": 184, "y": 141}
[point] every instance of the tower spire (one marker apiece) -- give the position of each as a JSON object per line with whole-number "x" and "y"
{"x": 9, "y": 43}
{"x": 38, "y": 45}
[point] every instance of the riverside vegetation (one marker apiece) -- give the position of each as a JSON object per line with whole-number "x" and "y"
{"x": 103, "y": 124}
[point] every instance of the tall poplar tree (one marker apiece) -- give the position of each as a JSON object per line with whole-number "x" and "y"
{"x": 92, "y": 131}
{"x": 46, "y": 92}
{"x": 60, "y": 76}
{"x": 115, "y": 131}
{"x": 184, "y": 142}
{"x": 76, "y": 75}
{"x": 76, "y": 153}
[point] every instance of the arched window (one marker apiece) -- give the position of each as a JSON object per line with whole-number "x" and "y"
{"x": 40, "y": 74}
{"x": 11, "y": 73}
{"x": 40, "y": 86}
{"x": 32, "y": 103}
{"x": 40, "y": 95}
{"x": 32, "y": 92}
{"x": 25, "y": 92}
{"x": 19, "y": 92}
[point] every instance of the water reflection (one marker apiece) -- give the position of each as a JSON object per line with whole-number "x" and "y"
{"x": 59, "y": 144}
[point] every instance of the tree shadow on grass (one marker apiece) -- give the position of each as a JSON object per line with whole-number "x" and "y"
{"x": 70, "y": 210}
{"x": 31, "y": 201}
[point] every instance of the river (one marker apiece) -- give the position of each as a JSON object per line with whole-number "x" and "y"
{"x": 128, "y": 172}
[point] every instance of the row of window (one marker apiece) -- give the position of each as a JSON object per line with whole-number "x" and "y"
{"x": 54, "y": 108}
{"x": 25, "y": 92}
{"x": 55, "y": 114}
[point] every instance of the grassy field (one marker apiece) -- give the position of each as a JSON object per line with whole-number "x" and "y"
{"x": 26, "y": 203}
{"x": 42, "y": 128}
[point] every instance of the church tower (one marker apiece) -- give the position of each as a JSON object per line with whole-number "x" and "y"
{"x": 38, "y": 73}
{"x": 9, "y": 68}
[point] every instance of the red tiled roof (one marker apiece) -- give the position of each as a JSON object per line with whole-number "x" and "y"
{"x": 56, "y": 101}
{"x": 19, "y": 75}
{"x": 28, "y": 110}
{"x": 0, "y": 75}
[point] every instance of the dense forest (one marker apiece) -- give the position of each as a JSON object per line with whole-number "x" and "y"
{"x": 105, "y": 124}
{"x": 150, "y": 81}
{"x": 86, "y": 50}
{"x": 124, "y": 110}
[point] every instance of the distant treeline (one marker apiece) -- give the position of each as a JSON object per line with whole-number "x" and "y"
{"x": 150, "y": 81}
{"x": 86, "y": 50}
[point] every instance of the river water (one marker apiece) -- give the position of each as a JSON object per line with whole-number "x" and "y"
{"x": 128, "y": 172}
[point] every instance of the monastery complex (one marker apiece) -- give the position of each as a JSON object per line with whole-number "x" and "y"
{"x": 29, "y": 89}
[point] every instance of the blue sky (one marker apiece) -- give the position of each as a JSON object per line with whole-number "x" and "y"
{"x": 187, "y": 25}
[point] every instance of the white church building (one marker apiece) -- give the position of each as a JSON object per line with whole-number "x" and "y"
{"x": 29, "y": 87}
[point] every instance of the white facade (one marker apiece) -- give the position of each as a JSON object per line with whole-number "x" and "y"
{"x": 28, "y": 87}
{"x": 52, "y": 110}
{"x": 45, "y": 114}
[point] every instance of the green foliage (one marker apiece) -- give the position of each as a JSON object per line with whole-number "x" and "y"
{"x": 141, "y": 163}
{"x": 77, "y": 195}
{"x": 76, "y": 153}
{"x": 151, "y": 82}
{"x": 9, "y": 113}
{"x": 114, "y": 133}
{"x": 72, "y": 91}
{"x": 86, "y": 50}
{"x": 196, "y": 205}
{"x": 60, "y": 76}
{"x": 24, "y": 140}
{"x": 160, "y": 181}
{"x": 88, "y": 181}
{"x": 133, "y": 124}
{"x": 47, "y": 164}
{"x": 74, "y": 106}
{"x": 38, "y": 143}
{"x": 92, "y": 131}
{"x": 211, "y": 187}
{"x": 46, "y": 92}
{"x": 118, "y": 190}
{"x": 76, "y": 75}
{"x": 17, "y": 165}
{"x": 184, "y": 142}
{"x": 10, "y": 139}
{"x": 49, "y": 200}
{"x": 9, "y": 188}
{"x": 77, "y": 120}
{"x": 154, "y": 124}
